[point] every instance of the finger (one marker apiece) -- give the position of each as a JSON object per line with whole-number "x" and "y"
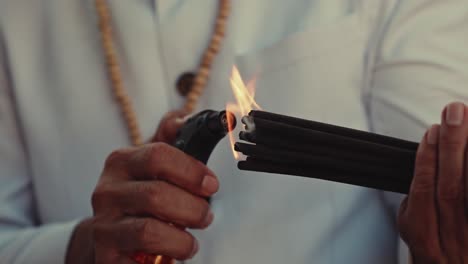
{"x": 143, "y": 258}
{"x": 421, "y": 202}
{"x": 116, "y": 164}
{"x": 450, "y": 197}
{"x": 168, "y": 127}
{"x": 148, "y": 235}
{"x": 161, "y": 161}
{"x": 105, "y": 255}
{"x": 158, "y": 199}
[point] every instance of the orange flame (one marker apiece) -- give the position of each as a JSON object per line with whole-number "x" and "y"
{"x": 244, "y": 95}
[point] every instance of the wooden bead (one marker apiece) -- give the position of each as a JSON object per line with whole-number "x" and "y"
{"x": 214, "y": 48}
{"x": 224, "y": 13}
{"x": 220, "y": 32}
{"x": 192, "y": 99}
{"x": 209, "y": 58}
{"x": 206, "y": 63}
{"x": 199, "y": 82}
{"x": 197, "y": 91}
{"x": 184, "y": 83}
{"x": 221, "y": 23}
{"x": 216, "y": 40}
{"x": 203, "y": 72}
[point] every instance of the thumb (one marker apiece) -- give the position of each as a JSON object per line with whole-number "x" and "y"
{"x": 168, "y": 127}
{"x": 418, "y": 219}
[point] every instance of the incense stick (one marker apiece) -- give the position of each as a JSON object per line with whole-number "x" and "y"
{"x": 283, "y": 143}
{"x": 266, "y": 129}
{"x": 298, "y": 147}
{"x": 337, "y": 130}
{"x": 329, "y": 175}
{"x": 292, "y": 158}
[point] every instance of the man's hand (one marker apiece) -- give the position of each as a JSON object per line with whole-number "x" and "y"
{"x": 433, "y": 219}
{"x": 142, "y": 194}
{"x": 168, "y": 127}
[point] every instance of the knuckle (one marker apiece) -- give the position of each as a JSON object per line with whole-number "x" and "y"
{"x": 142, "y": 229}
{"x": 154, "y": 193}
{"x": 149, "y": 233}
{"x": 116, "y": 157}
{"x": 100, "y": 197}
{"x": 96, "y": 197}
{"x": 158, "y": 155}
{"x": 425, "y": 156}
{"x": 143, "y": 188}
{"x": 157, "y": 189}
{"x": 98, "y": 232}
{"x": 159, "y": 149}
{"x": 451, "y": 142}
{"x": 424, "y": 179}
{"x": 96, "y": 201}
{"x": 424, "y": 169}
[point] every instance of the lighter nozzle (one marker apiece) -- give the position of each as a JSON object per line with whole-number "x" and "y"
{"x": 227, "y": 116}
{"x": 223, "y": 122}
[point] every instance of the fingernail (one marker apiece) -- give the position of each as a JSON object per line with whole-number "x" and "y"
{"x": 194, "y": 249}
{"x": 455, "y": 114}
{"x": 208, "y": 219}
{"x": 433, "y": 135}
{"x": 210, "y": 184}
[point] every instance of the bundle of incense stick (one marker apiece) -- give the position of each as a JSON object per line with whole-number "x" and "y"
{"x": 293, "y": 146}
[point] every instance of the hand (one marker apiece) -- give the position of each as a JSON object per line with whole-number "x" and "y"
{"x": 168, "y": 127}
{"x": 433, "y": 219}
{"x": 141, "y": 191}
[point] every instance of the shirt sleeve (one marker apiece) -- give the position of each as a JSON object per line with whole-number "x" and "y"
{"x": 22, "y": 239}
{"x": 421, "y": 64}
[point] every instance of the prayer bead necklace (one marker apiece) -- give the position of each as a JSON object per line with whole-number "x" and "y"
{"x": 198, "y": 83}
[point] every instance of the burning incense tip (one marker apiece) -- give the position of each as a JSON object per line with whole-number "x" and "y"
{"x": 244, "y": 95}
{"x": 248, "y": 123}
{"x": 246, "y": 136}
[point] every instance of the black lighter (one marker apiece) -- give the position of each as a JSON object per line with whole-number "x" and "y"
{"x": 201, "y": 133}
{"x": 198, "y": 137}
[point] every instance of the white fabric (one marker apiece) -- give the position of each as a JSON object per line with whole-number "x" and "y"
{"x": 388, "y": 66}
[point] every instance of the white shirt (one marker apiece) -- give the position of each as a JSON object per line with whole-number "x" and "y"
{"x": 386, "y": 66}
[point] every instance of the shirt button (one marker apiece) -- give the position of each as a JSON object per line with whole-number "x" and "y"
{"x": 184, "y": 83}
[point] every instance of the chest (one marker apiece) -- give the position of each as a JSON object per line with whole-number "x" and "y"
{"x": 308, "y": 57}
